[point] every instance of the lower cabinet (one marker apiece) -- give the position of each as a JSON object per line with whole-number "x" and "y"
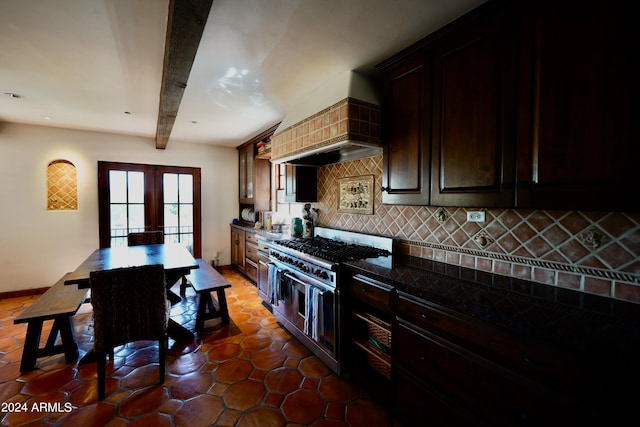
{"x": 439, "y": 366}
{"x": 369, "y": 332}
{"x": 237, "y": 248}
{"x": 251, "y": 256}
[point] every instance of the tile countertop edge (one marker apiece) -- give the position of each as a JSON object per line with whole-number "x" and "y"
{"x": 564, "y": 316}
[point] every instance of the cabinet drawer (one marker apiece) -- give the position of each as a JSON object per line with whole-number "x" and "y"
{"x": 478, "y": 383}
{"x": 516, "y": 351}
{"x": 251, "y": 237}
{"x": 251, "y": 252}
{"x": 251, "y": 270}
{"x": 372, "y": 292}
{"x": 420, "y": 404}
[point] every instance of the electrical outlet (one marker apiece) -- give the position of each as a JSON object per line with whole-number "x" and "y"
{"x": 475, "y": 216}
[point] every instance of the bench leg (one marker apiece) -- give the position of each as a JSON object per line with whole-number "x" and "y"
{"x": 68, "y": 338}
{"x": 31, "y": 345}
{"x": 205, "y": 305}
{"x": 207, "y": 308}
{"x": 222, "y": 305}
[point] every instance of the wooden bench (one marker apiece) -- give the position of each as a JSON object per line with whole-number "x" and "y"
{"x": 204, "y": 280}
{"x": 59, "y": 303}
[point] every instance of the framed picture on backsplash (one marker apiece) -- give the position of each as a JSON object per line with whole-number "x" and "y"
{"x": 355, "y": 194}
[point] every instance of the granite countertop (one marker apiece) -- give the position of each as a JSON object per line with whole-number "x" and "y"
{"x": 566, "y": 317}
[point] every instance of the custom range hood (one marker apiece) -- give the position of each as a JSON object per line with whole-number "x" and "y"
{"x": 337, "y": 123}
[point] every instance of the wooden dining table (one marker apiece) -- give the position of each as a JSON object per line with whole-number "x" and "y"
{"x": 176, "y": 259}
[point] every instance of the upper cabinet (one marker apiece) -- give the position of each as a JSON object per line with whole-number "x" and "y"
{"x": 301, "y": 184}
{"x": 474, "y": 113}
{"x": 406, "y": 131}
{"x": 254, "y": 174}
{"x": 517, "y": 104}
{"x": 579, "y": 131}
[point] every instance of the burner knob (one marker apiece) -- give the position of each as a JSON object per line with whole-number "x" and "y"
{"x": 324, "y": 275}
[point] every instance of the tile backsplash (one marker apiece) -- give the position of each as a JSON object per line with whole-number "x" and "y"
{"x": 594, "y": 252}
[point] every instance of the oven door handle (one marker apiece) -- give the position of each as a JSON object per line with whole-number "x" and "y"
{"x": 322, "y": 288}
{"x": 263, "y": 263}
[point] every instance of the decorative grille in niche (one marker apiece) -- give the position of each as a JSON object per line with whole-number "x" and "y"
{"x": 62, "y": 186}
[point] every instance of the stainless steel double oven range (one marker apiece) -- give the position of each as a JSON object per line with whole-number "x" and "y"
{"x": 304, "y": 284}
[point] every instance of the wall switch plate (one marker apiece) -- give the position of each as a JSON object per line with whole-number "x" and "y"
{"x": 475, "y": 216}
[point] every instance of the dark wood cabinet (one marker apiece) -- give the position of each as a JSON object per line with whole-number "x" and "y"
{"x": 463, "y": 361}
{"x": 251, "y": 256}
{"x": 369, "y": 334}
{"x": 579, "y": 132}
{"x": 474, "y": 113}
{"x": 254, "y": 179}
{"x": 301, "y": 184}
{"x": 517, "y": 104}
{"x": 237, "y": 248}
{"x": 407, "y": 131}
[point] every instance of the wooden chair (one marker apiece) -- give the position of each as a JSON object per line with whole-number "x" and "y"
{"x": 155, "y": 238}
{"x": 145, "y": 238}
{"x": 129, "y": 304}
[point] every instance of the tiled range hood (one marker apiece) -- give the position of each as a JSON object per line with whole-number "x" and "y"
{"x": 339, "y": 122}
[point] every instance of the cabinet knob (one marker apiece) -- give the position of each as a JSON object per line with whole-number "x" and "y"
{"x": 427, "y": 316}
{"x": 383, "y": 189}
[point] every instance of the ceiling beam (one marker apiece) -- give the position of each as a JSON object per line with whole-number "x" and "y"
{"x": 185, "y": 25}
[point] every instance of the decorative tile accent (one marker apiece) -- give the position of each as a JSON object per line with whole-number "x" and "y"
{"x": 483, "y": 240}
{"x": 591, "y": 238}
{"x": 596, "y": 252}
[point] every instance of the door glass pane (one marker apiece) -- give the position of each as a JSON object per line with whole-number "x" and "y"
{"x": 136, "y": 218}
{"x": 186, "y": 218}
{"x": 118, "y": 186}
{"x": 118, "y": 220}
{"x": 186, "y": 188}
{"x": 178, "y": 209}
{"x": 170, "y": 186}
{"x": 171, "y": 222}
{"x": 135, "y": 187}
{"x": 126, "y": 195}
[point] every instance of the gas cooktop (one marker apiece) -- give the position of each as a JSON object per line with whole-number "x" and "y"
{"x": 332, "y": 250}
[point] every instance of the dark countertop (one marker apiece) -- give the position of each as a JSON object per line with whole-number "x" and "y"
{"x": 567, "y": 317}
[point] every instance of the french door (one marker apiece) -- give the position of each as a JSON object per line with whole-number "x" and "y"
{"x": 136, "y": 197}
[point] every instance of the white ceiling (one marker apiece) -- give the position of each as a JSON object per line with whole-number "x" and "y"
{"x": 82, "y": 64}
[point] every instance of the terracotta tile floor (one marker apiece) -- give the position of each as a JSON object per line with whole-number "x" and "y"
{"x": 249, "y": 373}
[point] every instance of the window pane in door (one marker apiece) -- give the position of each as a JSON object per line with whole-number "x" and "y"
{"x": 127, "y": 213}
{"x": 178, "y": 209}
{"x": 118, "y": 186}
{"x": 136, "y": 217}
{"x": 170, "y": 188}
{"x": 186, "y": 188}
{"x": 135, "y": 187}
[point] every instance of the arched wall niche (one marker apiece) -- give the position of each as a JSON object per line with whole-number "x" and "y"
{"x": 62, "y": 186}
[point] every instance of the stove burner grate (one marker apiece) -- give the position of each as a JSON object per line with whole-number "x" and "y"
{"x": 332, "y": 250}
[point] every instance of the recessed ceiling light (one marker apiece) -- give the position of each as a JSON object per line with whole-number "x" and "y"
{"x": 45, "y": 117}
{"x": 128, "y": 113}
{"x": 13, "y": 95}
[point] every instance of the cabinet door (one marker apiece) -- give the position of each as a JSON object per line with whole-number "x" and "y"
{"x": 474, "y": 113}
{"x": 579, "y": 103}
{"x": 406, "y": 130}
{"x": 237, "y": 248}
{"x": 246, "y": 174}
{"x": 301, "y": 184}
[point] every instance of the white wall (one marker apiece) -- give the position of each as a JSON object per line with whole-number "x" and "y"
{"x": 38, "y": 246}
